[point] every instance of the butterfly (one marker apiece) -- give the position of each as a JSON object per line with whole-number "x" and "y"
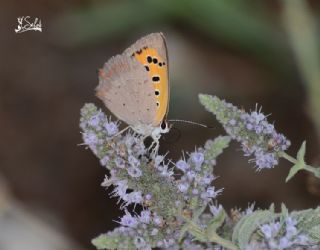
{"x": 134, "y": 86}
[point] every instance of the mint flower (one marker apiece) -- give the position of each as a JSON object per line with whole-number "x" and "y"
{"x": 173, "y": 197}
{"x": 128, "y": 220}
{"x": 182, "y": 165}
{"x": 149, "y": 183}
{"x": 257, "y": 136}
{"x": 285, "y": 235}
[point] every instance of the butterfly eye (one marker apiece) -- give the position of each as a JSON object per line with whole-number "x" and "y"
{"x": 164, "y": 125}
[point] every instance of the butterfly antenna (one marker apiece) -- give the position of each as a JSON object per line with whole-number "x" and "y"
{"x": 191, "y": 122}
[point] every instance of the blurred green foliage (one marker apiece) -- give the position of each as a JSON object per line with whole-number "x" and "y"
{"x": 239, "y": 25}
{"x": 303, "y": 35}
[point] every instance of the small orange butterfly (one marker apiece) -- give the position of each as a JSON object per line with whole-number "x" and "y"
{"x": 134, "y": 86}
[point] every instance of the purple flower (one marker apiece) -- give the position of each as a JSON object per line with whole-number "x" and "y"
{"x": 128, "y": 220}
{"x": 265, "y": 160}
{"x": 291, "y": 229}
{"x": 134, "y": 162}
{"x": 211, "y": 193}
{"x": 249, "y": 209}
{"x": 232, "y": 122}
{"x": 197, "y": 158}
{"x": 268, "y": 128}
{"x": 191, "y": 175}
{"x": 157, "y": 220}
{"x": 104, "y": 161}
{"x": 256, "y": 117}
{"x": 183, "y": 187}
{"x": 195, "y": 191}
{"x": 206, "y": 179}
{"x": 133, "y": 197}
{"x": 111, "y": 128}
{"x": 215, "y": 210}
{"x": 270, "y": 230}
{"x": 165, "y": 171}
{"x": 134, "y": 172}
{"x": 90, "y": 138}
{"x": 266, "y": 230}
{"x": 145, "y": 216}
{"x": 256, "y": 135}
{"x": 182, "y": 165}
{"x": 284, "y": 243}
{"x": 120, "y": 188}
{"x": 120, "y": 163}
{"x": 258, "y": 129}
{"x": 148, "y": 196}
{"x": 249, "y": 126}
{"x": 95, "y": 120}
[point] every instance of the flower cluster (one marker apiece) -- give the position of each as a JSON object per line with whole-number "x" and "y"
{"x": 150, "y": 183}
{"x": 281, "y": 235}
{"x": 196, "y": 179}
{"x": 173, "y": 197}
{"x": 257, "y": 136}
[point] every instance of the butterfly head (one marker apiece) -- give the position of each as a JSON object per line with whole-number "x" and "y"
{"x": 163, "y": 128}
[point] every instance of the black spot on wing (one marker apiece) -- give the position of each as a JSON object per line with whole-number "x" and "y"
{"x": 155, "y": 78}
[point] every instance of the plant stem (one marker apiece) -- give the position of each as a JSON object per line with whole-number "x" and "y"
{"x": 314, "y": 170}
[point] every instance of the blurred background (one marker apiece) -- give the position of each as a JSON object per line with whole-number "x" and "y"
{"x": 246, "y": 52}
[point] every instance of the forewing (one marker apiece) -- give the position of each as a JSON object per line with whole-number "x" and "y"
{"x": 126, "y": 90}
{"x": 151, "y": 52}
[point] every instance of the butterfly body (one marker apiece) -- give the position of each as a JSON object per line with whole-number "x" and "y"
{"x": 134, "y": 86}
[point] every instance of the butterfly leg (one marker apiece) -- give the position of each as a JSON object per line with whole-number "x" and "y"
{"x": 154, "y": 148}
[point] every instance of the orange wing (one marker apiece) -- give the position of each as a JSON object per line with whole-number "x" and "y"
{"x": 157, "y": 69}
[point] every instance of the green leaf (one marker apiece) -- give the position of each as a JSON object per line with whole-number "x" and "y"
{"x": 309, "y": 222}
{"x": 183, "y": 232}
{"x": 191, "y": 223}
{"x": 197, "y": 213}
{"x": 301, "y": 153}
{"x": 193, "y": 229}
{"x": 300, "y": 162}
{"x": 216, "y": 222}
{"x": 314, "y": 233}
{"x": 294, "y": 169}
{"x": 104, "y": 241}
{"x": 249, "y": 224}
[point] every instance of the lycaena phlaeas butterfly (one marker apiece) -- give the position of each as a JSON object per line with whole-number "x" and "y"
{"x": 134, "y": 86}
